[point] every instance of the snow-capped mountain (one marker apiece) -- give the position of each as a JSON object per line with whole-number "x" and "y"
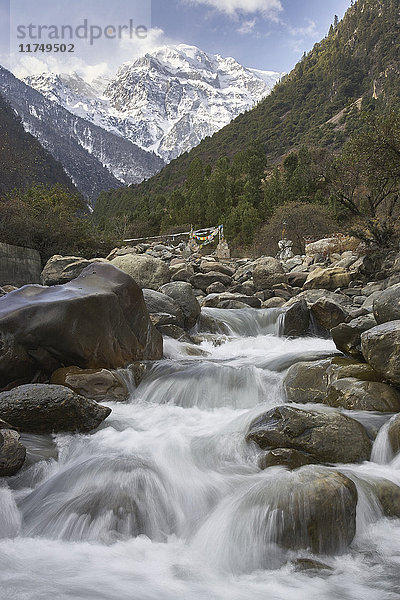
{"x": 166, "y": 101}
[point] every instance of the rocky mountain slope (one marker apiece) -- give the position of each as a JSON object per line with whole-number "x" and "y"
{"x": 94, "y": 158}
{"x": 166, "y": 101}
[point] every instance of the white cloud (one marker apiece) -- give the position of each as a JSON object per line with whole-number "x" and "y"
{"x": 247, "y": 26}
{"x": 309, "y": 30}
{"x": 131, "y": 48}
{"x": 270, "y": 9}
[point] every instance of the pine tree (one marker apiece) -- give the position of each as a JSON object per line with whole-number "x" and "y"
{"x": 335, "y": 22}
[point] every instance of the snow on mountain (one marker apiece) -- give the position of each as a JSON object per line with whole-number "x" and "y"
{"x": 166, "y": 101}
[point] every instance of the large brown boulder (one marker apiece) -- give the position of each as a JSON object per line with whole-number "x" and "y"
{"x": 328, "y": 313}
{"x": 353, "y": 394}
{"x": 381, "y": 349}
{"x": 347, "y": 336}
{"x": 41, "y": 408}
{"x": 147, "y": 271}
{"x": 295, "y": 320}
{"x": 329, "y": 437}
{"x": 182, "y": 293}
{"x": 61, "y": 269}
{"x": 267, "y": 272}
{"x": 98, "y": 320}
{"x": 97, "y": 384}
{"x": 327, "y": 279}
{"x": 305, "y": 381}
{"x": 387, "y": 305}
{"x": 12, "y": 452}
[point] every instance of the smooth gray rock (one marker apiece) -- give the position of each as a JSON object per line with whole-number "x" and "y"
{"x": 182, "y": 293}
{"x": 347, "y": 336}
{"x": 381, "y": 349}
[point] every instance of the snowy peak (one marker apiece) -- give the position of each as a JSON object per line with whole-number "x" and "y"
{"x": 165, "y": 101}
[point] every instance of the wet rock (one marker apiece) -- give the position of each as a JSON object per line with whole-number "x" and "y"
{"x": 218, "y": 267}
{"x": 330, "y": 437}
{"x": 182, "y": 293}
{"x": 341, "y": 367}
{"x": 327, "y": 279}
{"x": 308, "y": 564}
{"x": 347, "y": 336}
{"x": 285, "y": 457}
{"x": 328, "y": 313}
{"x": 305, "y": 382}
{"x": 312, "y": 296}
{"x": 61, "y": 269}
{"x": 158, "y": 303}
{"x": 175, "y": 332}
{"x": 386, "y": 306}
{"x": 387, "y": 493}
{"x": 207, "y": 323}
{"x": 296, "y": 320}
{"x": 12, "y": 452}
{"x": 98, "y": 320}
{"x": 227, "y": 299}
{"x": 394, "y": 433}
{"x": 97, "y": 384}
{"x": 353, "y": 394}
{"x": 203, "y": 280}
{"x": 267, "y": 272}
{"x": 381, "y": 349}
{"x": 40, "y": 408}
{"x": 147, "y": 271}
{"x": 274, "y": 303}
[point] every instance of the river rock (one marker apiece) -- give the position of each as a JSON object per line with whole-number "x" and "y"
{"x": 296, "y": 320}
{"x": 61, "y": 269}
{"x": 182, "y": 293}
{"x": 353, "y": 394}
{"x": 183, "y": 274}
{"x": 267, "y": 272}
{"x": 387, "y": 493}
{"x": 228, "y": 300}
{"x": 328, "y": 313}
{"x": 394, "y": 433}
{"x": 274, "y": 303}
{"x": 327, "y": 279}
{"x": 312, "y": 296}
{"x": 216, "y": 288}
{"x": 381, "y": 349}
{"x": 330, "y": 437}
{"x": 12, "y": 452}
{"x": 41, "y": 408}
{"x": 347, "y": 336}
{"x": 203, "y": 280}
{"x": 341, "y": 367}
{"x": 98, "y": 320}
{"x": 218, "y": 267}
{"x": 147, "y": 271}
{"x": 175, "y": 332}
{"x": 160, "y": 304}
{"x": 285, "y": 457}
{"x": 386, "y": 306}
{"x": 97, "y": 384}
{"x": 207, "y": 323}
{"x": 305, "y": 381}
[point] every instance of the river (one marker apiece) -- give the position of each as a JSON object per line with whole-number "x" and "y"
{"x": 154, "y": 504}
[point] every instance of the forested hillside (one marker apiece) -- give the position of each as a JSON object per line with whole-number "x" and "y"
{"x": 333, "y": 94}
{"x": 23, "y": 161}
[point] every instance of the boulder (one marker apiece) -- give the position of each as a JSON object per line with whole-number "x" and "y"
{"x": 97, "y": 384}
{"x": 207, "y": 323}
{"x": 216, "y": 288}
{"x": 326, "y": 246}
{"x": 285, "y": 457}
{"x": 182, "y": 293}
{"x": 98, "y": 320}
{"x": 386, "y": 306}
{"x": 218, "y": 267}
{"x": 297, "y": 278}
{"x": 329, "y": 437}
{"x": 183, "y": 275}
{"x": 175, "y": 332}
{"x": 267, "y": 272}
{"x": 274, "y": 303}
{"x": 353, "y": 394}
{"x": 312, "y": 296}
{"x": 12, "y": 452}
{"x": 203, "y": 280}
{"x": 381, "y": 349}
{"x": 41, "y": 408}
{"x": 327, "y": 279}
{"x": 158, "y": 303}
{"x": 305, "y": 381}
{"x": 295, "y": 320}
{"x": 227, "y": 299}
{"x": 328, "y": 313}
{"x": 394, "y": 433}
{"x": 386, "y": 492}
{"x": 341, "y": 367}
{"x": 147, "y": 271}
{"x": 347, "y": 336}
{"x": 61, "y": 269}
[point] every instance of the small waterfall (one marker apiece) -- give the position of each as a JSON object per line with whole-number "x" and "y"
{"x": 247, "y": 322}
{"x": 382, "y": 452}
{"x": 10, "y": 518}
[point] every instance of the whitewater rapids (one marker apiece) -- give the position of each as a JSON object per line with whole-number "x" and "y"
{"x": 148, "y": 507}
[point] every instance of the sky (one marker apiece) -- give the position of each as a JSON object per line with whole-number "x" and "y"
{"x": 264, "y": 34}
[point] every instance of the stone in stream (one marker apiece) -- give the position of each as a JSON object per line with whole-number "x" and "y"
{"x": 159, "y": 303}
{"x": 381, "y": 349}
{"x": 267, "y": 272}
{"x": 203, "y": 280}
{"x": 98, "y": 320}
{"x": 305, "y": 381}
{"x": 42, "y": 408}
{"x": 386, "y": 492}
{"x": 329, "y": 437}
{"x": 327, "y": 279}
{"x": 347, "y": 336}
{"x": 97, "y": 384}
{"x": 285, "y": 457}
{"x": 394, "y": 433}
{"x": 228, "y": 300}
{"x": 328, "y": 313}
{"x": 182, "y": 293}
{"x": 61, "y": 269}
{"x": 386, "y": 306}
{"x": 341, "y": 367}
{"x": 147, "y": 271}
{"x": 353, "y": 394}
{"x": 296, "y": 320}
{"x": 12, "y": 452}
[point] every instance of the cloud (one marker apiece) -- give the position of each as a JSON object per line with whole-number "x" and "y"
{"x": 309, "y": 30}
{"x": 131, "y": 48}
{"x": 269, "y": 9}
{"x": 247, "y": 26}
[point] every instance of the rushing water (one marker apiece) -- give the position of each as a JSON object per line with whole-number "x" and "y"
{"x": 157, "y": 503}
